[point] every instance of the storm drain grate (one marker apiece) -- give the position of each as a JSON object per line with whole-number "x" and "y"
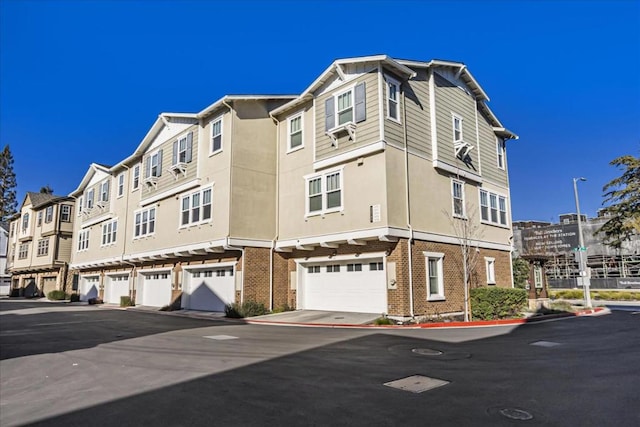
{"x": 220, "y": 337}
{"x": 416, "y": 383}
{"x": 546, "y": 344}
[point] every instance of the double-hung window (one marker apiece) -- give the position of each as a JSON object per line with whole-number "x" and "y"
{"x": 345, "y": 107}
{"x": 120, "y": 185}
{"x": 109, "y": 230}
{"x": 23, "y": 250}
{"x": 48, "y": 214}
{"x": 136, "y": 177}
{"x": 195, "y": 208}
{"x": 144, "y": 222}
{"x": 324, "y": 192}
{"x": 435, "y": 279}
{"x": 80, "y": 205}
{"x": 216, "y": 135}
{"x": 457, "y": 190}
{"x": 153, "y": 165}
{"x": 295, "y": 132}
{"x": 83, "y": 240}
{"x": 493, "y": 208}
{"x": 182, "y": 149}
{"x": 39, "y": 219}
{"x": 25, "y": 222}
{"x": 457, "y": 129}
{"x": 500, "y": 152}
{"x": 393, "y": 93}
{"x": 490, "y": 265}
{"x": 65, "y": 213}
{"x": 43, "y": 247}
{"x": 104, "y": 191}
{"x": 90, "y": 195}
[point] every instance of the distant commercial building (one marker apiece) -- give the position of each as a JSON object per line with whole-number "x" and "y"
{"x": 608, "y": 268}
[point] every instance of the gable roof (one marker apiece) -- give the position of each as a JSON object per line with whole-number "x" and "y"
{"x": 39, "y": 200}
{"x": 336, "y": 68}
{"x": 93, "y": 168}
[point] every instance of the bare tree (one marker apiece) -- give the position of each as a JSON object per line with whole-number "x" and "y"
{"x": 468, "y": 232}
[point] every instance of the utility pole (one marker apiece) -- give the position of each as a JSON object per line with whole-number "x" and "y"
{"x": 586, "y": 282}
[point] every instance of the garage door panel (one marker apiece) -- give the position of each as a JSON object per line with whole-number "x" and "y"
{"x": 116, "y": 287}
{"x": 89, "y": 288}
{"x": 211, "y": 289}
{"x": 345, "y": 286}
{"x": 156, "y": 291}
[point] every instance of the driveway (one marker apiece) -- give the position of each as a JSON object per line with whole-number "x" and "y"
{"x": 319, "y": 317}
{"x": 68, "y": 365}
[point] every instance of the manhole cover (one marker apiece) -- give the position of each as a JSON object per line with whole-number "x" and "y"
{"x": 516, "y": 414}
{"x": 416, "y": 383}
{"x": 427, "y": 351}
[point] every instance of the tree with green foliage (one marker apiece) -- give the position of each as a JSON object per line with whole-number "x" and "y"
{"x": 520, "y": 272}
{"x": 622, "y": 195}
{"x": 8, "y": 184}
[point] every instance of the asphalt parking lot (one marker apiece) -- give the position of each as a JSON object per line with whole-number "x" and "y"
{"x": 79, "y": 365}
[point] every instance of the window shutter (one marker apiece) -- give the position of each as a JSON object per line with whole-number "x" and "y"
{"x": 361, "y": 103}
{"x": 329, "y": 111}
{"x": 147, "y": 167}
{"x": 160, "y": 163}
{"x": 189, "y": 146}
{"x": 174, "y": 154}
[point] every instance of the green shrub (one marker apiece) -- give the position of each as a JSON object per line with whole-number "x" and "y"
{"x": 57, "y": 295}
{"x": 497, "y": 303}
{"x": 125, "y": 301}
{"x": 74, "y": 298}
{"x": 282, "y": 309}
{"x": 247, "y": 309}
{"x": 384, "y": 321}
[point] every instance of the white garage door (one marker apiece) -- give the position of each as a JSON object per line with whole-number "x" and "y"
{"x": 210, "y": 289}
{"x": 156, "y": 289}
{"x": 352, "y": 286}
{"x": 116, "y": 287}
{"x": 89, "y": 288}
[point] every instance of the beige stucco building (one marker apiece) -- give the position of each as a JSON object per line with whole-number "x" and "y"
{"x": 39, "y": 248}
{"x": 355, "y": 195}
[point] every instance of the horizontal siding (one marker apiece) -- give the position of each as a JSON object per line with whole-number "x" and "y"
{"x": 488, "y": 153}
{"x": 64, "y": 249}
{"x": 418, "y": 117}
{"x": 95, "y": 212}
{"x": 366, "y": 132}
{"x": 451, "y": 99}
{"x": 167, "y": 180}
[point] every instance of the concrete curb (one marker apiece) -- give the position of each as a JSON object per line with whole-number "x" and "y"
{"x": 598, "y": 311}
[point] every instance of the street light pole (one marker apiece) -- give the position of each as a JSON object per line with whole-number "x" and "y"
{"x": 581, "y": 261}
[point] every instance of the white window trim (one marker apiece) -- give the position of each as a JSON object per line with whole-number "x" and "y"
{"x": 184, "y": 138}
{"x": 43, "y": 247}
{"x": 48, "y": 217}
{"x": 289, "y": 120}
{"x": 104, "y": 195}
{"x": 440, "y": 259}
{"x": 453, "y": 202}
{"x": 390, "y": 80}
{"x": 211, "y": 123}
{"x": 158, "y": 173}
{"x": 119, "y": 186}
{"x": 490, "y": 267}
{"x": 91, "y": 192}
{"x": 155, "y": 222}
{"x": 455, "y": 116}
{"x": 62, "y": 214}
{"x": 80, "y": 205}
{"x": 135, "y": 185}
{"x": 83, "y": 240}
{"x": 351, "y": 89}
{"x": 190, "y": 195}
{"x": 498, "y": 196}
{"x": 323, "y": 191}
{"x": 111, "y": 235}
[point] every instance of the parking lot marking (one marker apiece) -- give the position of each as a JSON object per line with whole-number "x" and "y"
{"x": 416, "y": 383}
{"x": 546, "y": 344}
{"x": 220, "y": 337}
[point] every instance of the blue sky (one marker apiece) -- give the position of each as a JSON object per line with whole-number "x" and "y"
{"x": 82, "y": 82}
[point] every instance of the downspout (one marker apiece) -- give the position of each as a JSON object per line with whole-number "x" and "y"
{"x": 408, "y": 206}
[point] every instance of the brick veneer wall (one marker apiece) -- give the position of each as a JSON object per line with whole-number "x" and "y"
{"x": 256, "y": 275}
